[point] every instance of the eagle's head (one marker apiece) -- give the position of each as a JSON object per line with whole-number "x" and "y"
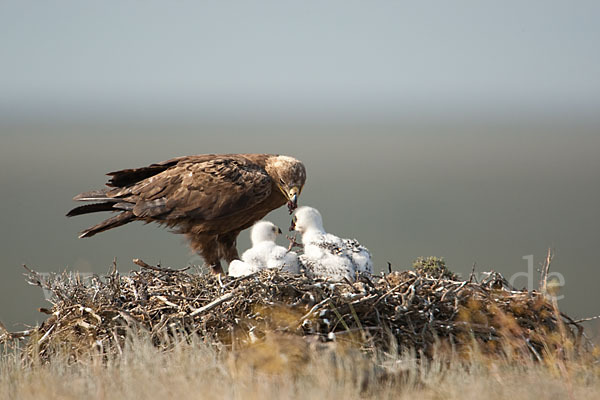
{"x": 289, "y": 175}
{"x": 264, "y": 231}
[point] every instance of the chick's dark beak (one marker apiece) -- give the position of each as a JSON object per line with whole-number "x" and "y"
{"x": 279, "y": 231}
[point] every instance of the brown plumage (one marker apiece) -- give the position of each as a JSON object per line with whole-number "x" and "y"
{"x": 210, "y": 198}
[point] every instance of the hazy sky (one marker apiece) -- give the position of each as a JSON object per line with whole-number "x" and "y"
{"x": 224, "y": 58}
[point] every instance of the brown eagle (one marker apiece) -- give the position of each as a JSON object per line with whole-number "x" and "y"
{"x": 210, "y": 198}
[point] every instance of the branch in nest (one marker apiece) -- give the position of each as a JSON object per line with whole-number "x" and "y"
{"x": 36, "y": 279}
{"x": 142, "y": 264}
{"x": 578, "y": 321}
{"x": 545, "y": 269}
{"x": 6, "y": 335}
{"x": 213, "y": 304}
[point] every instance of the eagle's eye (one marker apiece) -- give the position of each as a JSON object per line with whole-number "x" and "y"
{"x": 281, "y": 181}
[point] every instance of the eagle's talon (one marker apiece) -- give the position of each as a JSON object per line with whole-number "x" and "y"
{"x": 216, "y": 268}
{"x": 293, "y": 243}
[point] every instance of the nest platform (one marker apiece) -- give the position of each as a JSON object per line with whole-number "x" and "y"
{"x": 423, "y": 310}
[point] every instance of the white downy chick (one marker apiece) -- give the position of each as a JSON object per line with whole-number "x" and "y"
{"x": 326, "y": 255}
{"x": 265, "y": 253}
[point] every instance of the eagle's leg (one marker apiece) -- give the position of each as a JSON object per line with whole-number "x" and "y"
{"x": 208, "y": 248}
{"x": 215, "y": 268}
{"x": 227, "y": 246}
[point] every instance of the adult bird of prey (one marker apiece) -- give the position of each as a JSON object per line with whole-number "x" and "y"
{"x": 209, "y": 198}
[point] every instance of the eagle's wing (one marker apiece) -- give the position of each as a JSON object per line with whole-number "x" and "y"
{"x": 128, "y": 177}
{"x": 205, "y": 190}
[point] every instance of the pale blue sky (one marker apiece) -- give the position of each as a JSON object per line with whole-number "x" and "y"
{"x": 223, "y": 58}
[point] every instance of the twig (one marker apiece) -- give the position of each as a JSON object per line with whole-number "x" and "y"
{"x": 46, "y": 335}
{"x": 315, "y": 308}
{"x": 5, "y": 334}
{"x": 20, "y": 334}
{"x": 392, "y": 290}
{"x": 472, "y": 276}
{"x": 39, "y": 281}
{"x": 213, "y": 304}
{"x": 545, "y": 269}
{"x": 142, "y": 264}
{"x": 578, "y": 321}
{"x": 167, "y": 302}
{"x": 3, "y": 328}
{"x": 240, "y": 279}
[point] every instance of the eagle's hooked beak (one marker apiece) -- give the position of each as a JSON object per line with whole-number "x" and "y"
{"x": 293, "y": 199}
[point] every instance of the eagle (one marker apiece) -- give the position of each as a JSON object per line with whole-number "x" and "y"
{"x": 209, "y": 198}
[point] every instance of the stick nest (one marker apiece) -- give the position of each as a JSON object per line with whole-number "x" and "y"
{"x": 410, "y": 309}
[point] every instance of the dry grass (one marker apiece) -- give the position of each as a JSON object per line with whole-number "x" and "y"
{"x": 283, "y": 366}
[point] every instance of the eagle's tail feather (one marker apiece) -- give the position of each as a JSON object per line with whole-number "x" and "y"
{"x": 113, "y": 222}
{"x": 94, "y": 195}
{"x": 91, "y": 208}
